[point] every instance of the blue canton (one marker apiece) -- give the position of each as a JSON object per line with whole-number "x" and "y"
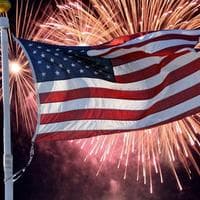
{"x": 53, "y": 62}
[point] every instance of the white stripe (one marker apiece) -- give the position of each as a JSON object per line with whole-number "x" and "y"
{"x": 77, "y": 83}
{"x": 152, "y": 47}
{"x": 145, "y": 38}
{"x": 186, "y": 49}
{"x": 122, "y": 125}
{"x": 137, "y": 65}
{"x": 121, "y": 104}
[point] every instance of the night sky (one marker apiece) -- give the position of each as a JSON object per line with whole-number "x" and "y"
{"x": 58, "y": 172}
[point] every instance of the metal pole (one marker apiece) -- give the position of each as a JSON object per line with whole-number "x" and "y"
{"x": 7, "y": 157}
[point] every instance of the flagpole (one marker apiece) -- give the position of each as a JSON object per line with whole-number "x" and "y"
{"x": 7, "y": 156}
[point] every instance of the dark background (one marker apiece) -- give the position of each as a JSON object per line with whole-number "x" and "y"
{"x": 59, "y": 173}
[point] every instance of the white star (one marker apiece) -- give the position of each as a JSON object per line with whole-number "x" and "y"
{"x": 68, "y": 71}
{"x": 48, "y": 67}
{"x": 106, "y": 67}
{"x": 48, "y": 50}
{"x": 79, "y": 61}
{"x": 39, "y": 61}
{"x": 34, "y": 52}
{"x": 57, "y": 73}
{"x": 39, "y": 47}
{"x": 60, "y": 65}
{"x": 65, "y": 59}
{"x": 57, "y": 49}
{"x": 81, "y": 71}
{"x": 96, "y": 73}
{"x": 73, "y": 65}
{"x": 70, "y": 57}
{"x": 82, "y": 50}
{"x": 43, "y": 74}
{"x": 30, "y": 45}
{"x": 56, "y": 54}
{"x": 109, "y": 76}
{"x": 52, "y": 60}
{"x": 87, "y": 67}
{"x": 69, "y": 51}
{"x": 43, "y": 55}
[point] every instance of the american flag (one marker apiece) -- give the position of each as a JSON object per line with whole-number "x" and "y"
{"x": 133, "y": 82}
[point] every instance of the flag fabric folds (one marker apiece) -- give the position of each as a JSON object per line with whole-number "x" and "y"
{"x": 133, "y": 82}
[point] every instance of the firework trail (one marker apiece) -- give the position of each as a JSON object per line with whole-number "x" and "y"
{"x": 74, "y": 23}
{"x": 22, "y": 92}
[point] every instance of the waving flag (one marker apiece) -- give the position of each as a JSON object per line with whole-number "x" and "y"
{"x": 133, "y": 82}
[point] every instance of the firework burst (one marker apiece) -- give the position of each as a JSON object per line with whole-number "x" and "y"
{"x": 74, "y": 23}
{"x": 22, "y": 92}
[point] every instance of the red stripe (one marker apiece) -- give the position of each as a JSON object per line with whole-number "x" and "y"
{"x": 109, "y": 114}
{"x": 71, "y": 135}
{"x": 118, "y": 94}
{"x": 120, "y": 40}
{"x": 134, "y": 56}
{"x": 148, "y": 72}
{"x": 123, "y": 39}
